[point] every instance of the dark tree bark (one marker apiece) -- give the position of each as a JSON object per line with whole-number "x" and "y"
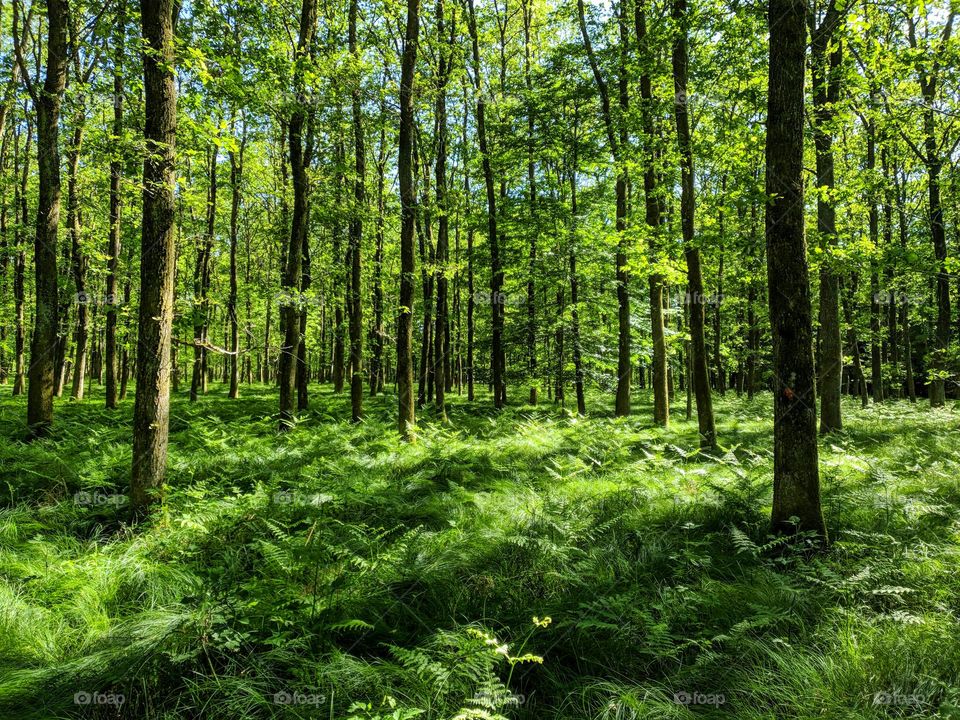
{"x": 158, "y": 257}
{"x": 236, "y": 176}
{"x": 20, "y": 262}
{"x": 695, "y": 294}
{"x": 873, "y": 223}
{"x": 652, "y": 217}
{"x": 616, "y": 129}
{"x": 201, "y": 285}
{"x": 405, "y": 414}
{"x": 356, "y": 236}
{"x": 796, "y": 483}
{"x": 116, "y": 200}
{"x": 293, "y": 269}
{"x": 46, "y": 100}
{"x": 574, "y": 281}
{"x": 498, "y": 357}
{"x": 79, "y": 262}
{"x": 379, "y": 332}
{"x": 532, "y": 186}
{"x": 471, "y": 299}
{"x": 825, "y": 70}
{"x": 442, "y": 323}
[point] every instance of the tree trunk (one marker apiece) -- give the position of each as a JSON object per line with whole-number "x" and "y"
{"x": 293, "y": 270}
{"x": 498, "y": 357}
{"x": 695, "y": 294}
{"x": 44, "y": 344}
{"x": 652, "y": 212}
{"x": 356, "y": 235}
{"x": 236, "y": 175}
{"x": 825, "y": 69}
{"x": 442, "y": 324}
{"x": 405, "y": 415}
{"x": 796, "y": 484}
{"x": 78, "y": 259}
{"x": 158, "y": 257}
{"x": 116, "y": 175}
{"x": 201, "y": 286}
{"x": 20, "y": 262}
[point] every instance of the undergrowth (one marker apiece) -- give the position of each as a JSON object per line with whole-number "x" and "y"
{"x": 526, "y": 564}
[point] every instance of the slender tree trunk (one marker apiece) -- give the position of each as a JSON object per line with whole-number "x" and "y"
{"x": 825, "y": 70}
{"x": 20, "y": 262}
{"x": 356, "y": 236}
{"x": 201, "y": 285}
{"x": 796, "y": 483}
{"x": 876, "y": 366}
{"x": 79, "y": 260}
{"x": 116, "y": 199}
{"x": 157, "y": 257}
{"x": 854, "y": 342}
{"x": 498, "y": 357}
{"x": 377, "y": 367}
{"x": 293, "y": 270}
{"x": 236, "y": 175}
{"x": 655, "y": 281}
{"x": 405, "y": 416}
{"x": 695, "y": 293}
{"x": 442, "y": 324}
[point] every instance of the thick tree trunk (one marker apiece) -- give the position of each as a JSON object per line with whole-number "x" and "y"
{"x": 796, "y": 484}
{"x": 695, "y": 293}
{"x": 157, "y": 259}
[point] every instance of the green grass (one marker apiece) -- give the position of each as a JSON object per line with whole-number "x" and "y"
{"x": 366, "y": 578}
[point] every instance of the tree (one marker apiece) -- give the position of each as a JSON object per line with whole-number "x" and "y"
{"x": 356, "y": 234}
{"x": 695, "y": 292}
{"x": 825, "y": 70}
{"x": 46, "y": 102}
{"x": 299, "y": 160}
{"x": 405, "y": 415}
{"x": 796, "y": 483}
{"x": 157, "y": 257}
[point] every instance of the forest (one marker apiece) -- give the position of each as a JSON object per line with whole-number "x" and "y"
{"x": 504, "y": 359}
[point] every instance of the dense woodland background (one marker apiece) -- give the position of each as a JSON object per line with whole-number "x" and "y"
{"x": 427, "y": 320}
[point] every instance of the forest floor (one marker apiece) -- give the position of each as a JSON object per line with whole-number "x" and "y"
{"x": 523, "y": 565}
